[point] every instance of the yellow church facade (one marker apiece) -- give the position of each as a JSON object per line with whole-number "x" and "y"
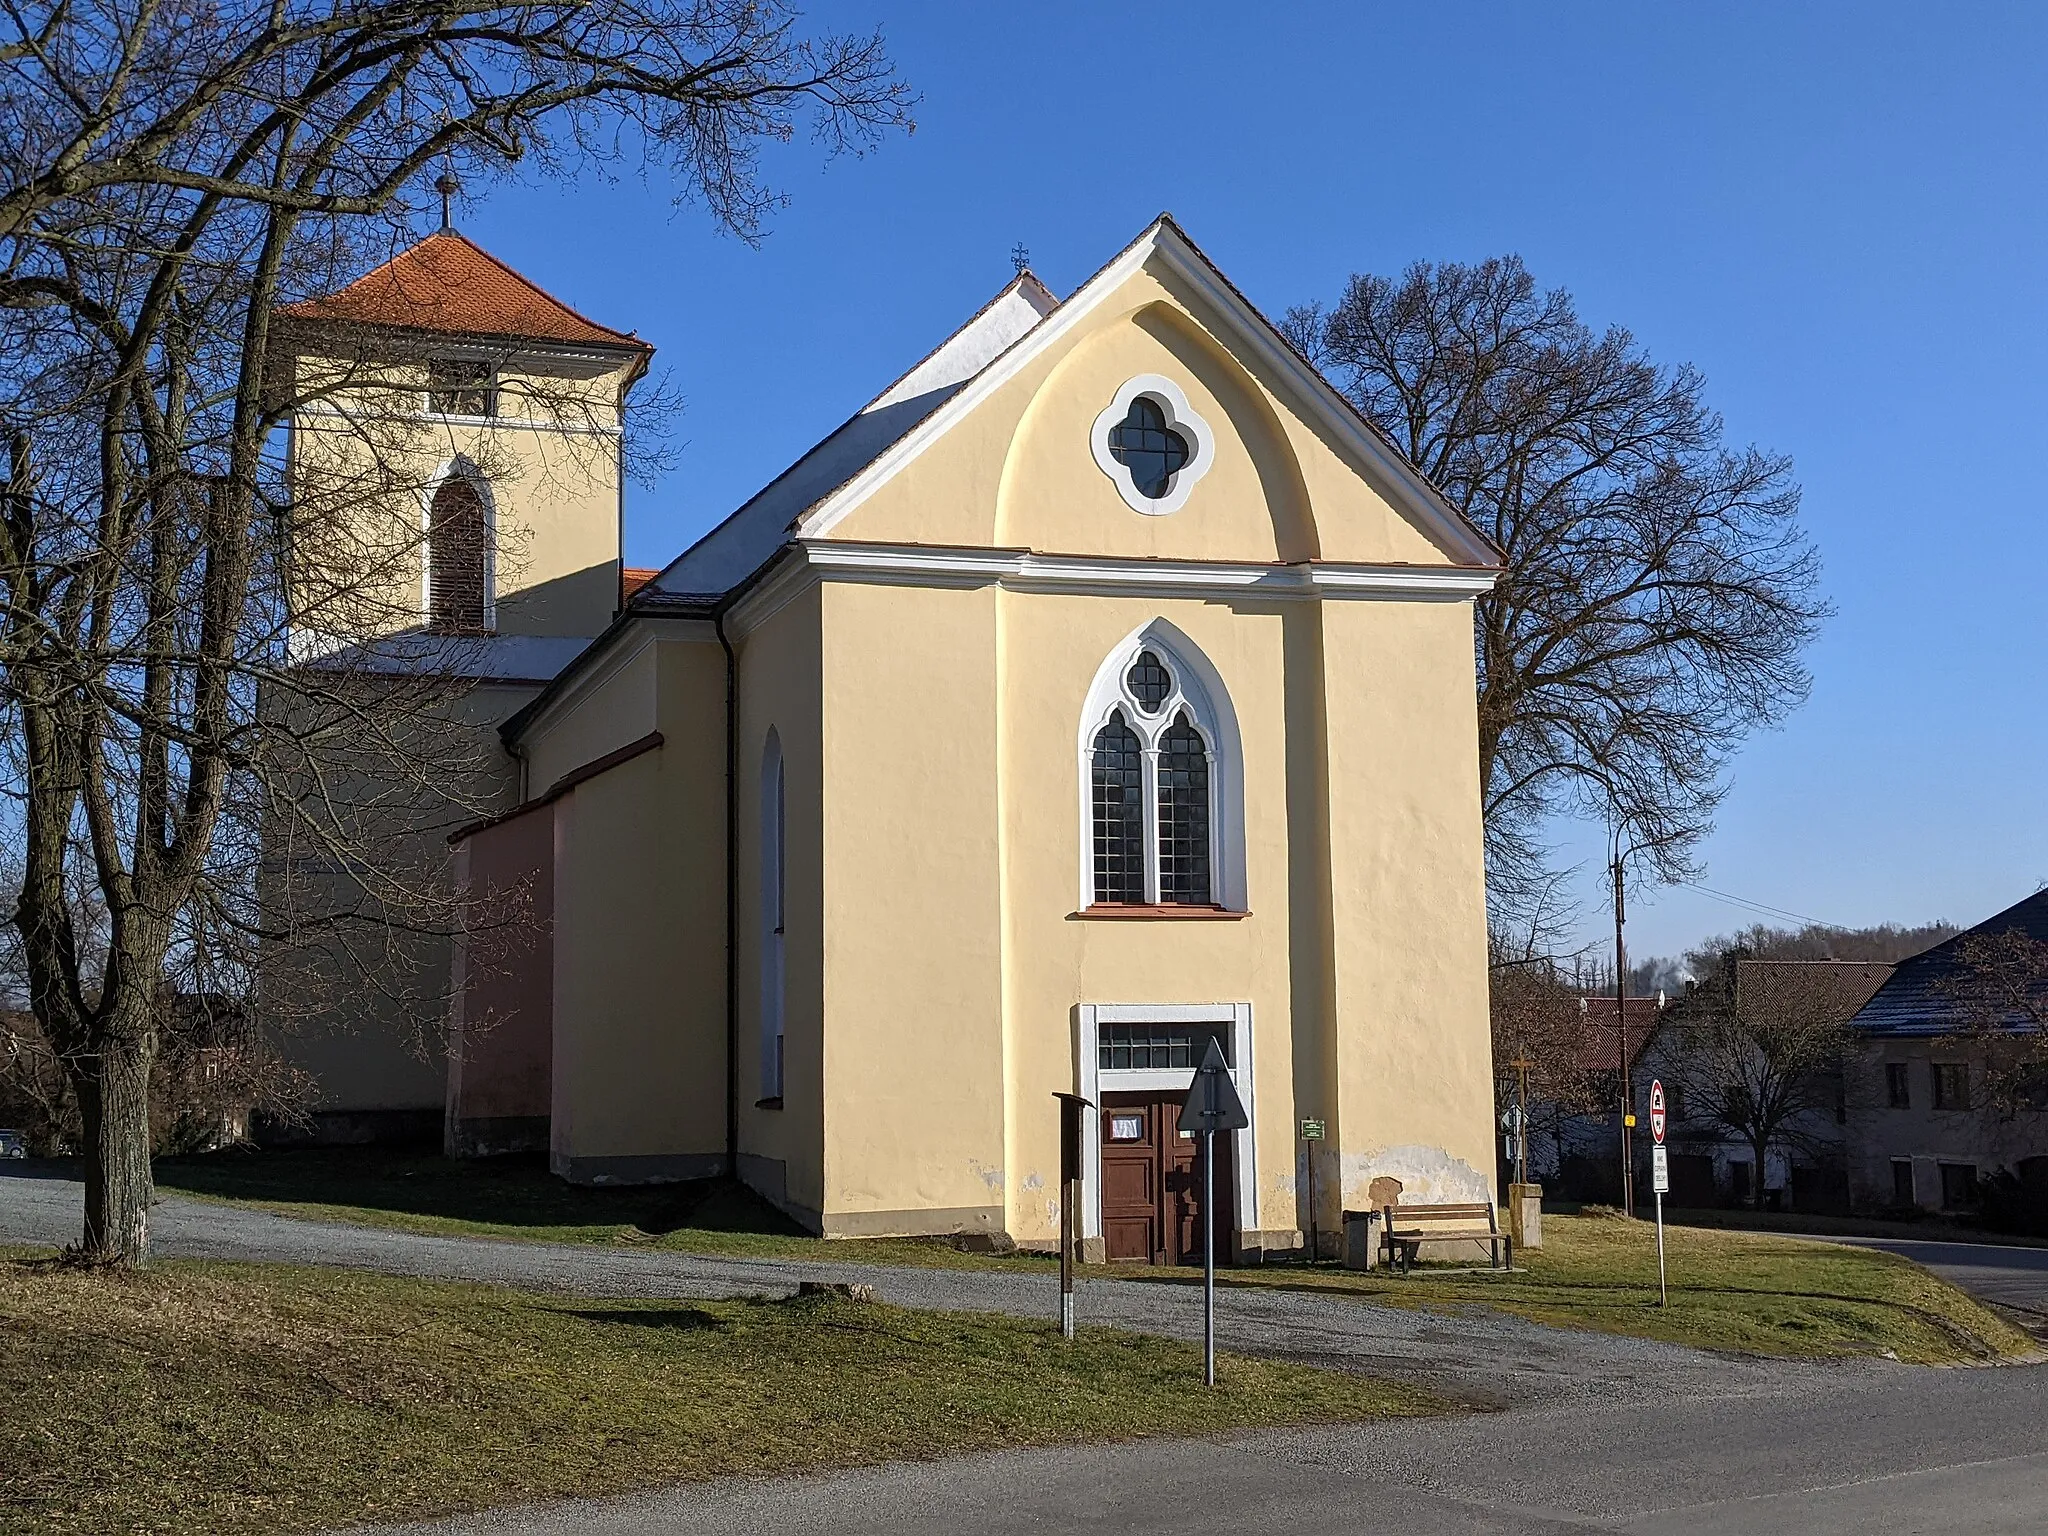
{"x": 1104, "y": 687}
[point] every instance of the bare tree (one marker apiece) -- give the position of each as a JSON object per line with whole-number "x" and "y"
{"x": 1759, "y": 1047}
{"x": 1541, "y": 1064}
{"x": 1999, "y": 984}
{"x": 168, "y": 179}
{"x": 1658, "y": 590}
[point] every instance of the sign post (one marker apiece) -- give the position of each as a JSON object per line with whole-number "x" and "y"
{"x": 1212, "y": 1106}
{"x": 1660, "y": 1179}
{"x": 1072, "y": 1107}
{"x": 1312, "y": 1132}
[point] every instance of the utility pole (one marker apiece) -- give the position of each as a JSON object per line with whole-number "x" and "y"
{"x": 1628, "y": 1184}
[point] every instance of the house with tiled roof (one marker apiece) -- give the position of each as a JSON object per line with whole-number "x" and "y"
{"x": 1922, "y": 1130}
{"x": 1100, "y": 689}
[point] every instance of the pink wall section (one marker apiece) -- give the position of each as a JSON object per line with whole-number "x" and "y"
{"x": 500, "y": 1064}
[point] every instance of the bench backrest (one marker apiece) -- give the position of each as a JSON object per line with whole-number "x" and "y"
{"x": 1410, "y": 1218}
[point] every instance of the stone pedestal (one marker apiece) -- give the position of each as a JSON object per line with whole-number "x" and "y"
{"x": 1525, "y": 1215}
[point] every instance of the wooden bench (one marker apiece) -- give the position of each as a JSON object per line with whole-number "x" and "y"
{"x": 1405, "y": 1228}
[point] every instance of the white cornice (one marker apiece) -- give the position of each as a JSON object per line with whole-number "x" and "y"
{"x": 1022, "y": 571}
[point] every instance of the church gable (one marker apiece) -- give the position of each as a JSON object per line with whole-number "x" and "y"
{"x": 1154, "y": 414}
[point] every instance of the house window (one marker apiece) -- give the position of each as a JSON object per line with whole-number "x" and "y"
{"x": 774, "y": 916}
{"x": 1159, "y": 1047}
{"x": 1958, "y": 1186}
{"x": 1902, "y": 1183}
{"x": 458, "y": 560}
{"x": 1152, "y": 789}
{"x": 1674, "y": 1102}
{"x": 1898, "y": 1085}
{"x": 1951, "y": 1085}
{"x": 459, "y": 388}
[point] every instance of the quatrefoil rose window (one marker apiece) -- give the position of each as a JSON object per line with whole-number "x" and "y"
{"x": 1152, "y": 445}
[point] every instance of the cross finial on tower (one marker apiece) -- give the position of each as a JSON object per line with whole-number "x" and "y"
{"x": 447, "y": 186}
{"x": 1020, "y": 257}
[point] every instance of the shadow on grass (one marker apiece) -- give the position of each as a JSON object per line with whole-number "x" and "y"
{"x": 515, "y": 1190}
{"x": 666, "y": 1319}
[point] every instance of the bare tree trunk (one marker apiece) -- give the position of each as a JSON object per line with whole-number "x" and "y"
{"x": 113, "y": 1101}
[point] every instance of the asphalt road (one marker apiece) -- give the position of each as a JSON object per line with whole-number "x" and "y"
{"x": 1597, "y": 1431}
{"x": 1920, "y": 1451}
{"x": 2011, "y": 1276}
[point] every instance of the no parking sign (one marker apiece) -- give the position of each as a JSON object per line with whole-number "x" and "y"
{"x": 1660, "y": 1180}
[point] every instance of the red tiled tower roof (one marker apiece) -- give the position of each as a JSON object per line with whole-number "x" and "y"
{"x": 448, "y": 283}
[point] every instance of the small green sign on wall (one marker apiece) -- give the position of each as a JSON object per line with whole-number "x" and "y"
{"x": 1311, "y": 1130}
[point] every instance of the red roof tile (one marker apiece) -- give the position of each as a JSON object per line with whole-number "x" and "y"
{"x": 446, "y": 283}
{"x": 633, "y": 577}
{"x": 1600, "y": 1041}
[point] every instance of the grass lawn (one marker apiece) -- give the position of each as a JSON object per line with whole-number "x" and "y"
{"x": 516, "y": 1197}
{"x": 1745, "y": 1291}
{"x": 234, "y": 1398}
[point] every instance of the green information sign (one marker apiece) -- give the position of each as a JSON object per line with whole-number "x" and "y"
{"x": 1311, "y": 1130}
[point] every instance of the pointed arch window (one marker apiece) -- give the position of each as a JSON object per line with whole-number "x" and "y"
{"x": 1117, "y": 785}
{"x": 458, "y": 559}
{"x": 1153, "y": 781}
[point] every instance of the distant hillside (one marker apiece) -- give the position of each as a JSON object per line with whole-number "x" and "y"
{"x": 1888, "y": 943}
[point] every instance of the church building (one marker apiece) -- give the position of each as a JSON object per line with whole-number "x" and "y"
{"x": 1103, "y": 687}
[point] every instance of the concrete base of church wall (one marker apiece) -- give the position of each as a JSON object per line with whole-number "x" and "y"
{"x": 964, "y": 1220}
{"x": 353, "y": 1128}
{"x": 494, "y": 1135}
{"x": 654, "y": 1168}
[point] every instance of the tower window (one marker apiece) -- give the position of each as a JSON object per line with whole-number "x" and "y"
{"x": 458, "y": 560}
{"x": 460, "y": 388}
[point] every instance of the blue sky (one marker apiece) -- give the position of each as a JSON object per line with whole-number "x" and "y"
{"x": 1835, "y": 211}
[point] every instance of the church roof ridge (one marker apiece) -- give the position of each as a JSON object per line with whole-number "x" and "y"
{"x": 449, "y": 284}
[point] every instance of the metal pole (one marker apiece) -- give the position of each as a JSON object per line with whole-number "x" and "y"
{"x": 1208, "y": 1258}
{"x": 1663, "y": 1295}
{"x": 1067, "y": 1261}
{"x": 1628, "y": 1187}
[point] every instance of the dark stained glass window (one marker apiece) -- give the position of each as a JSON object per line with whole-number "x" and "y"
{"x": 1183, "y": 815}
{"x": 1149, "y": 682}
{"x": 458, "y": 559}
{"x": 1152, "y": 451}
{"x": 1117, "y": 798}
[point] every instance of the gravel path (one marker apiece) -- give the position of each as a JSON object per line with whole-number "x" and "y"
{"x": 1483, "y": 1355}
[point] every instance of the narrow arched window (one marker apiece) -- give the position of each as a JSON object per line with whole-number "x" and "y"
{"x": 1183, "y": 814}
{"x": 774, "y": 916}
{"x": 1119, "y": 800}
{"x": 1153, "y": 786}
{"x": 458, "y": 560}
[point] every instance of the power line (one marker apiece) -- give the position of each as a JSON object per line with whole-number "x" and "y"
{"x": 1762, "y": 908}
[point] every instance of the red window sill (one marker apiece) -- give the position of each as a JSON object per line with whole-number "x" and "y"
{"x": 1125, "y": 912}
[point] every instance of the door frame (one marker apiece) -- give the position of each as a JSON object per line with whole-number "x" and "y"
{"x": 1092, "y": 1081}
